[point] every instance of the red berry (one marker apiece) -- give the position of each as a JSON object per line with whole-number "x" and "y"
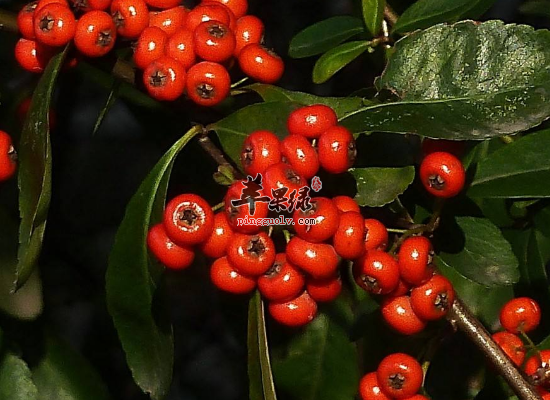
{"x": 402, "y": 289}
{"x": 180, "y": 47}
{"x": 240, "y": 213}
{"x": 260, "y": 63}
{"x": 225, "y": 277}
{"x": 369, "y": 388}
{"x": 399, "y": 375}
{"x": 317, "y": 259}
{"x": 296, "y": 312}
{"x": 454, "y": 147}
{"x": 131, "y": 17}
{"x": 259, "y": 151}
{"x": 188, "y": 219}
{"x": 222, "y": 234}
{"x": 32, "y": 56}
{"x": 54, "y": 25}
{"x": 442, "y": 174}
{"x": 214, "y": 41}
{"x": 415, "y": 260}
{"x": 95, "y": 34}
{"x": 163, "y": 4}
{"x": 282, "y": 281}
{"x": 164, "y": 79}
{"x": 300, "y": 154}
{"x": 417, "y": 397}
{"x": 348, "y": 239}
{"x": 282, "y": 175}
{"x": 376, "y": 235}
{"x": 311, "y": 121}
{"x": 511, "y": 345}
{"x": 433, "y": 299}
{"x": 249, "y": 29}
{"x": 324, "y": 290}
{"x": 8, "y": 157}
{"x": 326, "y": 217}
{"x": 345, "y": 204}
{"x": 251, "y": 255}
{"x": 238, "y": 7}
{"x": 170, "y": 21}
{"x": 166, "y": 251}
{"x": 337, "y": 150}
{"x": 520, "y": 315}
{"x": 25, "y": 20}
{"x": 537, "y": 368}
{"x": 43, "y": 3}
{"x": 207, "y": 12}
{"x": 398, "y": 313}
{"x": 150, "y": 46}
{"x": 376, "y": 272}
{"x": 208, "y": 83}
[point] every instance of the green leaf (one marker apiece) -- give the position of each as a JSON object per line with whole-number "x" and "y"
{"x": 425, "y": 13}
{"x": 535, "y": 7}
{"x": 64, "y": 374}
{"x": 337, "y": 58}
{"x": 377, "y": 187}
{"x": 132, "y": 283}
{"x": 15, "y": 379}
{"x": 35, "y": 165}
{"x": 262, "y": 386}
{"x": 340, "y": 105}
{"x": 519, "y": 169}
{"x": 324, "y": 35}
{"x": 321, "y": 363}
{"x": 485, "y": 257}
{"x": 111, "y": 99}
{"x": 373, "y": 15}
{"x": 224, "y": 175}
{"x": 467, "y": 81}
{"x": 233, "y": 130}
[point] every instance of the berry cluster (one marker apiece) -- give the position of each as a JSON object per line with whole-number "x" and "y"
{"x": 179, "y": 50}
{"x": 8, "y": 157}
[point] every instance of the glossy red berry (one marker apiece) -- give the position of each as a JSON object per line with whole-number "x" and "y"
{"x": 249, "y": 29}
{"x": 324, "y": 290}
{"x": 54, "y": 25}
{"x": 402, "y": 289}
{"x": 32, "y": 56}
{"x": 25, "y": 20}
{"x": 511, "y": 345}
{"x": 215, "y": 246}
{"x": 442, "y": 174}
{"x": 311, "y": 121}
{"x": 207, "y": 12}
{"x": 226, "y": 277}
{"x": 345, "y": 204}
{"x": 317, "y": 259}
{"x": 170, "y": 21}
{"x": 521, "y": 314}
{"x": 369, "y": 389}
{"x": 43, "y": 3}
{"x": 239, "y": 214}
{"x": 238, "y": 7}
{"x": 214, "y": 41}
{"x": 166, "y": 251}
{"x": 398, "y": 314}
{"x": 417, "y": 397}
{"x": 433, "y": 299}
{"x": 131, "y": 17}
{"x": 259, "y": 151}
{"x": 150, "y": 46}
{"x": 415, "y": 260}
{"x": 261, "y": 64}
{"x": 326, "y": 217}
{"x": 296, "y": 312}
{"x": 537, "y": 368}
{"x": 282, "y": 282}
{"x": 376, "y": 272}
{"x": 454, "y": 147}
{"x": 376, "y": 235}
{"x": 188, "y": 219}
{"x": 251, "y": 255}
{"x": 282, "y": 175}
{"x": 399, "y": 375}
{"x": 8, "y": 157}
{"x": 208, "y": 83}
{"x": 95, "y": 34}
{"x": 180, "y": 47}
{"x": 163, "y": 4}
{"x": 336, "y": 149}
{"x": 164, "y": 79}
{"x": 348, "y": 240}
{"x": 300, "y": 154}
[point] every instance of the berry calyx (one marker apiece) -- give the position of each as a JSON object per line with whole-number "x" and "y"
{"x": 95, "y": 34}
{"x": 164, "y": 79}
{"x": 208, "y": 83}
{"x": 537, "y": 368}
{"x": 251, "y": 255}
{"x": 54, "y": 25}
{"x": 376, "y": 272}
{"x": 214, "y": 41}
{"x": 188, "y": 219}
{"x": 399, "y": 375}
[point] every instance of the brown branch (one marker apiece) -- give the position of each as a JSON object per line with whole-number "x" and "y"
{"x": 216, "y": 154}
{"x": 390, "y": 15}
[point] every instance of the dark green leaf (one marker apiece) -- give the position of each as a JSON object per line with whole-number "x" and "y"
{"x": 15, "y": 379}
{"x": 64, "y": 374}
{"x": 340, "y": 105}
{"x": 535, "y": 7}
{"x": 337, "y": 58}
{"x": 224, "y": 175}
{"x": 425, "y": 13}
{"x": 132, "y": 283}
{"x": 323, "y": 36}
{"x": 108, "y": 105}
{"x": 35, "y": 166}
{"x": 464, "y": 81}
{"x": 486, "y": 257}
{"x": 373, "y": 14}
{"x": 260, "y": 375}
{"x": 519, "y": 169}
{"x": 377, "y": 187}
{"x": 496, "y": 210}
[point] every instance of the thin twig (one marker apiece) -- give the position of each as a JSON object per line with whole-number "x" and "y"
{"x": 390, "y": 15}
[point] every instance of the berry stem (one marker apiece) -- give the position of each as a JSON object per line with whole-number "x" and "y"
{"x": 216, "y": 154}
{"x": 239, "y": 83}
{"x": 218, "y": 206}
{"x": 390, "y": 15}
{"x": 530, "y": 344}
